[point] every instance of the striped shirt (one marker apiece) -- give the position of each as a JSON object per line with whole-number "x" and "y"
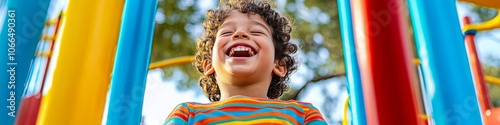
{"x": 239, "y": 110}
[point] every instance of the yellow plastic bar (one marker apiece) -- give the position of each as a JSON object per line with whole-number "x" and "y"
{"x": 48, "y": 38}
{"x": 488, "y": 25}
{"x": 44, "y": 54}
{"x": 423, "y": 116}
{"x": 84, "y": 63}
{"x": 485, "y": 3}
{"x": 171, "y": 62}
{"x": 416, "y": 61}
{"x": 346, "y": 108}
{"x": 491, "y": 79}
{"x": 51, "y": 21}
{"x": 488, "y": 79}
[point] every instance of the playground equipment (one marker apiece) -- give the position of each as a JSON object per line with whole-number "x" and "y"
{"x": 83, "y": 60}
{"x": 489, "y": 114}
{"x": 131, "y": 63}
{"x": 82, "y": 50}
{"x": 384, "y": 59}
{"x": 25, "y": 30}
{"x": 447, "y": 80}
{"x": 30, "y": 106}
{"x": 383, "y": 83}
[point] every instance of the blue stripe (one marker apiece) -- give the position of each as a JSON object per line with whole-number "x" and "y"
{"x": 441, "y": 49}
{"x": 131, "y": 62}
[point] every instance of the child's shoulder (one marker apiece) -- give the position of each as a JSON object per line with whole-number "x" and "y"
{"x": 243, "y": 101}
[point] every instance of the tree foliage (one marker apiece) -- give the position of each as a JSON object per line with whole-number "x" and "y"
{"x": 493, "y": 89}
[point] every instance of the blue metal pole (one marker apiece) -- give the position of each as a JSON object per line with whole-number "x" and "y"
{"x": 445, "y": 66}
{"x": 358, "y": 116}
{"x": 131, "y": 64}
{"x": 21, "y": 30}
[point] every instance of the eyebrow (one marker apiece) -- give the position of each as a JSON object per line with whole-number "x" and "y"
{"x": 224, "y": 24}
{"x": 254, "y": 22}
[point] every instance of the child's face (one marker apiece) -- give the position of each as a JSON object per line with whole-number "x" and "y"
{"x": 243, "y": 52}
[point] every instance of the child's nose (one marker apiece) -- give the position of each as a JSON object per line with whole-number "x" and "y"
{"x": 240, "y": 35}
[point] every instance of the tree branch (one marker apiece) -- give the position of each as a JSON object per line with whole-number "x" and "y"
{"x": 317, "y": 79}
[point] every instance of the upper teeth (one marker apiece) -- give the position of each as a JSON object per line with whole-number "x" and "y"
{"x": 241, "y": 49}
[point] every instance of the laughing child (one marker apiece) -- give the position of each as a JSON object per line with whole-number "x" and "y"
{"x": 245, "y": 59}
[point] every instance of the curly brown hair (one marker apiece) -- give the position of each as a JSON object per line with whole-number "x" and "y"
{"x": 281, "y": 35}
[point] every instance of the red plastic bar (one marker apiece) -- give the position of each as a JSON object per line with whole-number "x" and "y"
{"x": 477, "y": 70}
{"x": 385, "y": 60}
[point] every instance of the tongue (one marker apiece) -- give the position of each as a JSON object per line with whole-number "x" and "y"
{"x": 241, "y": 54}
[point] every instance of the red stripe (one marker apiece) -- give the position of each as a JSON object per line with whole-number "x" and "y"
{"x": 181, "y": 115}
{"x": 312, "y": 118}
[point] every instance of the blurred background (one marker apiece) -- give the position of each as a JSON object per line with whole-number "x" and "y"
{"x": 320, "y": 78}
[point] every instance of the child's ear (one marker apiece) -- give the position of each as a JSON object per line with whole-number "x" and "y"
{"x": 279, "y": 70}
{"x": 208, "y": 68}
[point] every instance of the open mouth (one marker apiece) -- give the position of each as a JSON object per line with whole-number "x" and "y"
{"x": 241, "y": 51}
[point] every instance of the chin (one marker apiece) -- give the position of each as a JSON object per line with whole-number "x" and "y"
{"x": 241, "y": 71}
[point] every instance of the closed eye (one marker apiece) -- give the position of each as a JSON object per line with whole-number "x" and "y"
{"x": 257, "y": 33}
{"x": 226, "y": 33}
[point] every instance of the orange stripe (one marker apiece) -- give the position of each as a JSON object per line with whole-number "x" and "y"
{"x": 181, "y": 112}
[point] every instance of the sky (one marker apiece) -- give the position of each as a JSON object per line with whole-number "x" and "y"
{"x": 162, "y": 96}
